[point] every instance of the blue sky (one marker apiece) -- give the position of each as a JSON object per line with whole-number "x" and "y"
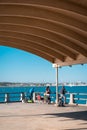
{"x": 20, "y": 66}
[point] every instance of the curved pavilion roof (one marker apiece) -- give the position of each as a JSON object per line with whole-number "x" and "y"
{"x": 55, "y": 30}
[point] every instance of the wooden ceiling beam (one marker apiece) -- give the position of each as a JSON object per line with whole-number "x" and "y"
{"x": 61, "y": 40}
{"x": 41, "y": 41}
{"x": 45, "y": 12}
{"x": 57, "y": 29}
{"x": 33, "y": 44}
{"x": 28, "y": 49}
{"x": 72, "y": 5}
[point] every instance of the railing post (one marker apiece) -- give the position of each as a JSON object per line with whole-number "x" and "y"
{"x": 71, "y": 99}
{"x": 34, "y": 96}
{"x": 22, "y": 97}
{"x": 86, "y": 102}
{"x": 6, "y": 97}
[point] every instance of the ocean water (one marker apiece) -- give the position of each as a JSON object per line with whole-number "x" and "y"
{"x": 79, "y": 92}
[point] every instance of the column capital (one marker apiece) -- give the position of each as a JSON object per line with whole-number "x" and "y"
{"x": 55, "y": 65}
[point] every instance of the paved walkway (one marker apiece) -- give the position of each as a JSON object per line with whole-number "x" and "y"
{"x": 25, "y": 116}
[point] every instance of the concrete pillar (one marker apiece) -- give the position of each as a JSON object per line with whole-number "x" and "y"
{"x": 86, "y": 102}
{"x": 6, "y": 97}
{"x": 22, "y": 97}
{"x": 34, "y": 96}
{"x": 71, "y": 99}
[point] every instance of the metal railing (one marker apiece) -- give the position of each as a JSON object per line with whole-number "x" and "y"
{"x": 71, "y": 98}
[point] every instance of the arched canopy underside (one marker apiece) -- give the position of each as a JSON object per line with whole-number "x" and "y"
{"x": 55, "y": 30}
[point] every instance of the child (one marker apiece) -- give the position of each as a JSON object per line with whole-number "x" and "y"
{"x": 38, "y": 97}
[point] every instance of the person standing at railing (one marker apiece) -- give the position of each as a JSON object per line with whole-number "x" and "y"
{"x": 47, "y": 90}
{"x": 31, "y": 91}
{"x": 62, "y": 93}
{"x": 47, "y": 95}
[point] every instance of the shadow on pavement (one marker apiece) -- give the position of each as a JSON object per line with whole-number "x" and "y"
{"x": 81, "y": 115}
{"x": 77, "y": 129}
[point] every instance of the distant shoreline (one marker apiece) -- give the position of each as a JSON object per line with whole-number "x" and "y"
{"x": 32, "y": 84}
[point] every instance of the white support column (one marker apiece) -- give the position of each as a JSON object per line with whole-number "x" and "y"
{"x": 56, "y": 85}
{"x": 56, "y": 66}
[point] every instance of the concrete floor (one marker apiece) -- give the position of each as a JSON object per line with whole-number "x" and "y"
{"x": 35, "y": 116}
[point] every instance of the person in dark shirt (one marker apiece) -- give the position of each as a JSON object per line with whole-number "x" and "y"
{"x": 47, "y": 90}
{"x": 62, "y": 92}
